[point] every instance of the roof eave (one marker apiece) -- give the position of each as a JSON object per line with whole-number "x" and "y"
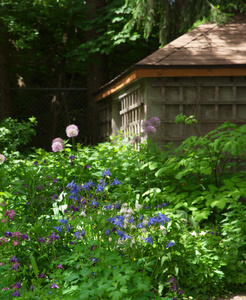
{"x": 147, "y": 71}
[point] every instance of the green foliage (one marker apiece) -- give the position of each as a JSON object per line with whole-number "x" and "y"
{"x": 179, "y": 231}
{"x": 14, "y": 135}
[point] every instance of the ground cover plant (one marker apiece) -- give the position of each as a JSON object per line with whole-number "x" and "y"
{"x": 125, "y": 219}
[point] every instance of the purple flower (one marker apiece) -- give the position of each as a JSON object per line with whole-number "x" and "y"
{"x": 172, "y": 279}
{"x": 86, "y": 167}
{"x": 149, "y": 240}
{"x": 16, "y": 294}
{"x": 106, "y": 173}
{"x": 32, "y": 287}
{"x": 41, "y": 240}
{"x": 24, "y": 236}
{"x": 2, "y": 158}
{"x": 54, "y": 286}
{"x": 8, "y": 234}
{"x": 149, "y": 130}
{"x": 106, "y": 232}
{"x": 56, "y": 146}
{"x": 53, "y": 237}
{"x": 174, "y": 287}
{"x": 54, "y": 197}
{"x": 146, "y": 124}
{"x": 156, "y": 122}
{"x": 59, "y": 266}
{"x": 41, "y": 275}
{"x": 35, "y": 163}
{"x": 72, "y": 131}
{"x": 17, "y": 285}
{"x": 15, "y": 266}
{"x": 117, "y": 206}
{"x": 180, "y": 292}
{"x": 13, "y": 259}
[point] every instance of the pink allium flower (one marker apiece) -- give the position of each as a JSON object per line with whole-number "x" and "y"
{"x": 10, "y": 213}
{"x": 56, "y": 146}
{"x": 59, "y": 140}
{"x": 145, "y": 124}
{"x": 156, "y": 122}
{"x": 72, "y": 130}
{"x": 149, "y": 130}
{"x": 2, "y": 158}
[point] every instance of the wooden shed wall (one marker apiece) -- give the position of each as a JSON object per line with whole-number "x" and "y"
{"x": 213, "y": 101}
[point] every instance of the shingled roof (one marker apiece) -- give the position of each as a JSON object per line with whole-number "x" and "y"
{"x": 207, "y": 50}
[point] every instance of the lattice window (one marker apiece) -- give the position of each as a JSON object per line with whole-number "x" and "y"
{"x": 131, "y": 112}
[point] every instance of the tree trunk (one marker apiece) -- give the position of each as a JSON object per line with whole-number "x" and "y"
{"x": 97, "y": 75}
{"x": 5, "y": 92}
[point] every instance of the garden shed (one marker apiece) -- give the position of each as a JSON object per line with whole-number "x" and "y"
{"x": 201, "y": 73}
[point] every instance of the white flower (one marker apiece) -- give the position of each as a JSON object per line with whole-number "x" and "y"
{"x": 193, "y": 233}
{"x": 138, "y": 206}
{"x": 83, "y": 214}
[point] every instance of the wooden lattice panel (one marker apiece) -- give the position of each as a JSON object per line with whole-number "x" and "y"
{"x": 131, "y": 112}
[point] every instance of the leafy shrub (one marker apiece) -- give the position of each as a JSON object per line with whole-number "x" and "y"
{"x": 123, "y": 222}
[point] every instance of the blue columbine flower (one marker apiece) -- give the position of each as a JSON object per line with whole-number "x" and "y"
{"x": 58, "y": 228}
{"x": 70, "y": 185}
{"x": 170, "y": 244}
{"x": 106, "y": 173}
{"x": 75, "y": 189}
{"x": 140, "y": 225}
{"x": 102, "y": 182}
{"x": 109, "y": 206}
{"x": 106, "y": 232}
{"x": 78, "y": 234}
{"x": 114, "y": 221}
{"x": 149, "y": 240}
{"x": 163, "y": 218}
{"x": 152, "y": 221}
{"x": 95, "y": 203}
{"x": 63, "y": 221}
{"x": 99, "y": 189}
{"x": 116, "y": 182}
{"x": 123, "y": 235}
{"x": 131, "y": 220}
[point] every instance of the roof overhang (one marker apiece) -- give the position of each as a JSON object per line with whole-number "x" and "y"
{"x": 137, "y": 72}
